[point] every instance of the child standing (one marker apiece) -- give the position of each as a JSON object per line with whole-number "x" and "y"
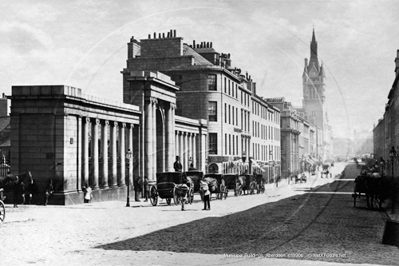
{"x": 205, "y": 188}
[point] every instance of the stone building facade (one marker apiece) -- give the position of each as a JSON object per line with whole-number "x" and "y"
{"x": 76, "y": 140}
{"x": 243, "y": 130}
{"x": 386, "y": 132}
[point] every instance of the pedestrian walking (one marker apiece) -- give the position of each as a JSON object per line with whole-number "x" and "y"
{"x": 87, "y": 194}
{"x": 207, "y": 193}
{"x": 137, "y": 188}
{"x": 177, "y": 165}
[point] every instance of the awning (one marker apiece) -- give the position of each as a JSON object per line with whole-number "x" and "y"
{"x": 311, "y": 161}
{"x": 254, "y": 163}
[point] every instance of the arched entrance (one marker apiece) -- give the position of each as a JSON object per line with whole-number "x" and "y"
{"x": 160, "y": 138}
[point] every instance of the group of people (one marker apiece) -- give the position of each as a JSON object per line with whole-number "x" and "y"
{"x": 203, "y": 185}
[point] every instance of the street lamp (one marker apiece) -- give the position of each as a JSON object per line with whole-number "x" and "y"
{"x": 392, "y": 154}
{"x": 382, "y": 162}
{"x": 129, "y": 156}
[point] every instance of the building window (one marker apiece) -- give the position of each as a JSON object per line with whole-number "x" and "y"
{"x": 212, "y": 82}
{"x": 232, "y": 109}
{"x": 225, "y": 113}
{"x": 212, "y": 111}
{"x": 213, "y": 143}
{"x": 229, "y": 144}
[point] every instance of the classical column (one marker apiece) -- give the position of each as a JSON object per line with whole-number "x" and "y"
{"x": 149, "y": 140}
{"x": 194, "y": 150}
{"x": 189, "y": 149}
{"x": 177, "y": 149}
{"x": 122, "y": 154}
{"x": 185, "y": 151}
{"x": 130, "y": 147}
{"x": 180, "y": 141}
{"x": 79, "y": 151}
{"x": 154, "y": 136}
{"x": 86, "y": 127}
{"x": 95, "y": 157}
{"x": 114, "y": 163}
{"x": 170, "y": 137}
{"x": 104, "y": 149}
{"x": 203, "y": 153}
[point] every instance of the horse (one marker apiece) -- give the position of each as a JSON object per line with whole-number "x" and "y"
{"x": 21, "y": 182}
{"x": 241, "y": 185}
{"x": 194, "y": 178}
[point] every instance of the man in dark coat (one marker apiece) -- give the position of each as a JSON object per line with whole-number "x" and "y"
{"x": 177, "y": 165}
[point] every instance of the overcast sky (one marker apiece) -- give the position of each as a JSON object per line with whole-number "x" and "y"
{"x": 83, "y": 44}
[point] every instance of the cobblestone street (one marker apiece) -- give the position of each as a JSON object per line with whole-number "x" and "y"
{"x": 303, "y": 224}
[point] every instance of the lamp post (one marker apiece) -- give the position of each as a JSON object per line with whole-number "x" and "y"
{"x": 392, "y": 154}
{"x": 129, "y": 156}
{"x": 382, "y": 162}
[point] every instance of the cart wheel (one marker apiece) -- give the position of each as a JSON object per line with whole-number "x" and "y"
{"x": 252, "y": 189}
{"x": 153, "y": 196}
{"x": 221, "y": 190}
{"x": 2, "y": 211}
{"x": 354, "y": 199}
{"x": 176, "y": 199}
{"x": 168, "y": 201}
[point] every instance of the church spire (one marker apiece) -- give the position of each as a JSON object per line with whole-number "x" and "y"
{"x": 313, "y": 61}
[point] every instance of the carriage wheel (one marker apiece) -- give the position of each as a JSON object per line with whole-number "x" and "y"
{"x": 168, "y": 201}
{"x": 252, "y": 191}
{"x": 221, "y": 191}
{"x": 153, "y": 196}
{"x": 176, "y": 199}
{"x": 2, "y": 212}
{"x": 354, "y": 195}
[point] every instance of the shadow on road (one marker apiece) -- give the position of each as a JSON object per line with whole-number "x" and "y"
{"x": 308, "y": 224}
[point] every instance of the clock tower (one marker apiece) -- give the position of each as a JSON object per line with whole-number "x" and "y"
{"x": 313, "y": 87}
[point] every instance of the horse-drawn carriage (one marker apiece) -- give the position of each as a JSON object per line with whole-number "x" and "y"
{"x": 244, "y": 183}
{"x": 326, "y": 171}
{"x": 217, "y": 185}
{"x": 260, "y": 184}
{"x": 374, "y": 187}
{"x": 232, "y": 182}
{"x": 171, "y": 185}
{"x": 195, "y": 176}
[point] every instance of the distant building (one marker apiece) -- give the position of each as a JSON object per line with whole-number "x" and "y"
{"x": 4, "y": 130}
{"x": 343, "y": 148}
{"x": 313, "y": 80}
{"x": 363, "y": 142}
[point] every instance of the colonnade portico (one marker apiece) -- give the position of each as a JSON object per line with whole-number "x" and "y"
{"x": 111, "y": 161}
{"x": 186, "y": 147}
